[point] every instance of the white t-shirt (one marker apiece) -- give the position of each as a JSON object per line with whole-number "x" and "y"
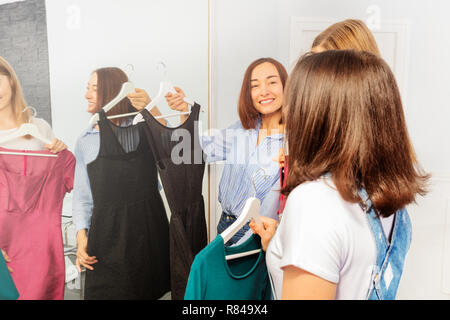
{"x": 32, "y": 144}
{"x": 326, "y": 236}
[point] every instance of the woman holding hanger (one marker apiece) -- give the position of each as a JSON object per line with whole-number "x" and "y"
{"x": 13, "y": 113}
{"x": 249, "y": 144}
{"x": 104, "y": 84}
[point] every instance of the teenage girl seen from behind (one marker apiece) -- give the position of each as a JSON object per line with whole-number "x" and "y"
{"x": 344, "y": 232}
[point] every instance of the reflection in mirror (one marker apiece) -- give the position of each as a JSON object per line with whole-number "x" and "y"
{"x": 78, "y": 54}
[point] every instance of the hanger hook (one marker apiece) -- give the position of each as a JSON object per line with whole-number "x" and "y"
{"x": 161, "y": 66}
{"x": 253, "y": 178}
{"x": 129, "y": 69}
{"x": 33, "y": 109}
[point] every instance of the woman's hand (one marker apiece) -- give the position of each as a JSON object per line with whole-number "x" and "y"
{"x": 83, "y": 259}
{"x": 140, "y": 99}
{"x": 56, "y": 146}
{"x": 7, "y": 259}
{"x": 266, "y": 231}
{"x": 280, "y": 159}
{"x": 175, "y": 101}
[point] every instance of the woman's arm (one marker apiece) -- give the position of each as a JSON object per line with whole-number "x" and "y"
{"x": 82, "y": 205}
{"x": 299, "y": 284}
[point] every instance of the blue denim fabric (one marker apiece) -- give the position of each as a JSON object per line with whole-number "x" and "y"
{"x": 227, "y": 220}
{"x": 387, "y": 272}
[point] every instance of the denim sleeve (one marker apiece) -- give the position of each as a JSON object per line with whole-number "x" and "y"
{"x": 82, "y": 204}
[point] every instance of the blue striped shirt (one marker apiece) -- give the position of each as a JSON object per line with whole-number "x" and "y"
{"x": 242, "y": 157}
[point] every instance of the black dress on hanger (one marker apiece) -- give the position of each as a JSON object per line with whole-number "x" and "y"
{"x": 180, "y": 163}
{"x": 129, "y": 231}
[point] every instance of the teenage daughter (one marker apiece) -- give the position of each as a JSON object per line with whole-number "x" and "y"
{"x": 345, "y": 231}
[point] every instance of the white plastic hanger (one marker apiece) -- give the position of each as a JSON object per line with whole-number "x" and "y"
{"x": 25, "y": 130}
{"x": 127, "y": 88}
{"x": 164, "y": 88}
{"x": 251, "y": 210}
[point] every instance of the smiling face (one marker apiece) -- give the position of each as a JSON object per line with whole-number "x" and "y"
{"x": 5, "y": 92}
{"x": 91, "y": 94}
{"x": 266, "y": 89}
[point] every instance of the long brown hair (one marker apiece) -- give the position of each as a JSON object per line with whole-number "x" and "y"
{"x": 347, "y": 34}
{"x": 109, "y": 83}
{"x": 18, "y": 102}
{"x": 246, "y": 110}
{"x": 345, "y": 117}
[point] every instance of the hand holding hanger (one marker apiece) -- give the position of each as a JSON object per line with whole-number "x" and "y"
{"x": 165, "y": 88}
{"x": 251, "y": 211}
{"x": 56, "y": 146}
{"x": 266, "y": 231}
{"x": 176, "y": 102}
{"x": 139, "y": 99}
{"x": 30, "y": 129}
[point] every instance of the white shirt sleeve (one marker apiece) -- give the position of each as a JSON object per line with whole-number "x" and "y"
{"x": 310, "y": 233}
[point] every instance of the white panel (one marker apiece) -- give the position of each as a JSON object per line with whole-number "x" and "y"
{"x": 426, "y": 271}
{"x": 446, "y": 253}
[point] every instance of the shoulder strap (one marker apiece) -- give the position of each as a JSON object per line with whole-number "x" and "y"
{"x": 102, "y": 115}
{"x": 195, "y": 111}
{"x": 146, "y": 114}
{"x": 366, "y": 203}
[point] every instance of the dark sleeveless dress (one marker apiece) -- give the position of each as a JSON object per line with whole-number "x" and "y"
{"x": 129, "y": 231}
{"x": 182, "y": 179}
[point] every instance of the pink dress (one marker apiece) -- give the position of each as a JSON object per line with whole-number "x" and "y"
{"x": 32, "y": 190}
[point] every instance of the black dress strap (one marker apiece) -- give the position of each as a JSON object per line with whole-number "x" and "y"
{"x": 102, "y": 115}
{"x": 146, "y": 114}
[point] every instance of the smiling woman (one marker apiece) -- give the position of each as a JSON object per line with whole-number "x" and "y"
{"x": 248, "y": 145}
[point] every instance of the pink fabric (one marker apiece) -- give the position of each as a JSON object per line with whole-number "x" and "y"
{"x": 32, "y": 190}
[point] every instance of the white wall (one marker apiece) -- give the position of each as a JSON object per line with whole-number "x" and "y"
{"x": 246, "y": 30}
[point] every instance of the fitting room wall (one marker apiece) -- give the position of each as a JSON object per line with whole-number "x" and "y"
{"x": 23, "y": 43}
{"x": 262, "y": 28}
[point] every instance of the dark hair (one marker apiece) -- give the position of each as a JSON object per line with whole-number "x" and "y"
{"x": 247, "y": 112}
{"x": 345, "y": 117}
{"x": 109, "y": 83}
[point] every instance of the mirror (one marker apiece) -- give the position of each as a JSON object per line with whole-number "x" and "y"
{"x": 54, "y": 46}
